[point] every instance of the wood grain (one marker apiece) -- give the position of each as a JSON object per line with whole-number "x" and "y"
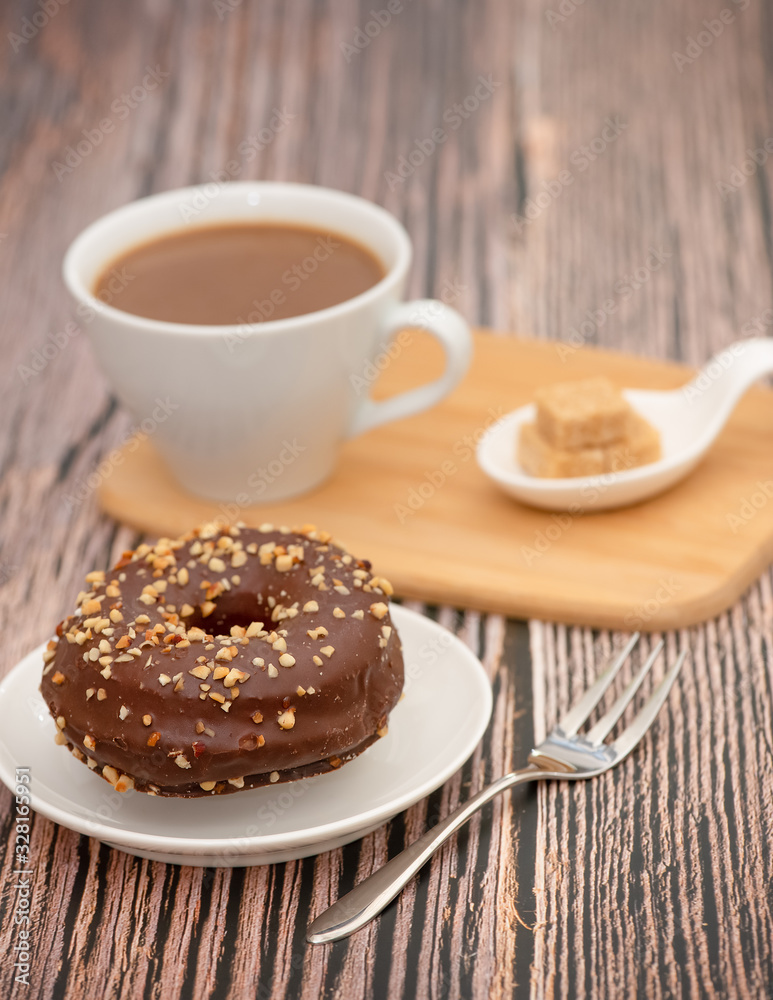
{"x": 655, "y": 881}
{"x": 401, "y": 492}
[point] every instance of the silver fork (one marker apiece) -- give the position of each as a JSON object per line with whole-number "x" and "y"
{"x": 564, "y": 754}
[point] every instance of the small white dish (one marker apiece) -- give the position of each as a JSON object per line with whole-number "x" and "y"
{"x": 432, "y": 731}
{"x": 689, "y": 420}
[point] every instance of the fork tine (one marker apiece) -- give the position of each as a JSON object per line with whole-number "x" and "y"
{"x": 623, "y": 745}
{"x": 572, "y": 721}
{"x": 606, "y": 723}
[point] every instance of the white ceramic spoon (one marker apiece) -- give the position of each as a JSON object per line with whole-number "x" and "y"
{"x": 689, "y": 419}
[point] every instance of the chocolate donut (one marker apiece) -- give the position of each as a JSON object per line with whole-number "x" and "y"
{"x": 226, "y": 659}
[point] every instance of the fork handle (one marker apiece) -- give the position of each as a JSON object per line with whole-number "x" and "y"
{"x": 367, "y": 899}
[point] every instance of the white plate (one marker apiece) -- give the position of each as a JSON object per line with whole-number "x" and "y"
{"x": 432, "y": 731}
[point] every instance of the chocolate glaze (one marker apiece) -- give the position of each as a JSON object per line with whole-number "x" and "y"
{"x": 335, "y": 708}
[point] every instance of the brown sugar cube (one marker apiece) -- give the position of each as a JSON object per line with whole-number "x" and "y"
{"x": 640, "y": 446}
{"x": 583, "y": 414}
{"x": 538, "y": 458}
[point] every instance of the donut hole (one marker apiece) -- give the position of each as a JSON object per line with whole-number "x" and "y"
{"x": 240, "y": 608}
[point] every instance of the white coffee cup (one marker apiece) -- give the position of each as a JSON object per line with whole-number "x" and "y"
{"x": 258, "y": 412}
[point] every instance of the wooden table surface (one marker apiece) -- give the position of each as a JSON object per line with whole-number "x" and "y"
{"x": 607, "y": 131}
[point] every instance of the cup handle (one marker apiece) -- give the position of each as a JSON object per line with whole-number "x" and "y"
{"x": 453, "y": 333}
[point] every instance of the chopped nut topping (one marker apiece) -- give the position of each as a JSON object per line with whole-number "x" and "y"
{"x": 257, "y": 718}
{"x": 206, "y": 786}
{"x": 216, "y": 565}
{"x": 164, "y": 679}
{"x": 280, "y": 645}
{"x": 101, "y": 694}
{"x": 90, "y": 607}
{"x": 379, "y": 610}
{"x": 273, "y": 777}
{"x": 286, "y": 719}
{"x": 153, "y": 739}
{"x": 338, "y": 613}
{"x": 116, "y": 616}
{"x": 89, "y": 693}
{"x": 110, "y": 773}
{"x": 123, "y": 712}
{"x": 142, "y": 620}
{"x": 327, "y": 650}
{"x": 183, "y": 577}
{"x": 220, "y": 673}
{"x": 182, "y": 761}
{"x": 236, "y": 782}
{"x": 89, "y": 742}
{"x": 300, "y": 691}
{"x": 147, "y": 720}
{"x": 124, "y": 783}
{"x": 207, "y": 607}
{"x": 216, "y": 697}
{"x": 359, "y": 613}
{"x": 317, "y": 660}
{"x": 239, "y": 558}
{"x": 286, "y": 660}
{"x": 310, "y": 690}
{"x": 60, "y": 722}
{"x": 340, "y": 589}
{"x": 58, "y": 678}
{"x": 202, "y": 671}
{"x": 317, "y": 633}
{"x": 272, "y": 671}
{"x": 107, "y": 672}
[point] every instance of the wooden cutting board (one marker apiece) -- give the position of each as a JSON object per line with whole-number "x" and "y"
{"x": 410, "y": 497}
